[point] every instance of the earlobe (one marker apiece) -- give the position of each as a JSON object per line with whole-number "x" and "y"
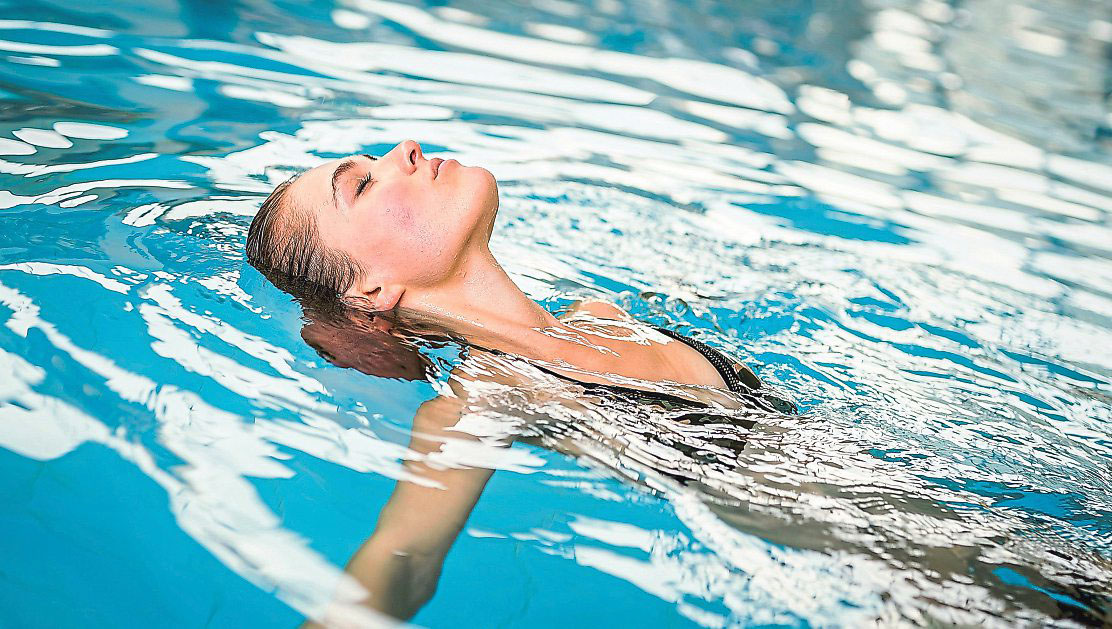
{"x": 369, "y": 295}
{"x": 386, "y": 298}
{"x": 376, "y": 298}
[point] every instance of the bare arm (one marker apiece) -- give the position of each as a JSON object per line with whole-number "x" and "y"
{"x": 400, "y": 562}
{"x": 399, "y": 565}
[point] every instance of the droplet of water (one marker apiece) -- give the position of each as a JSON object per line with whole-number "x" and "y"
{"x": 624, "y": 300}
{"x": 676, "y": 306}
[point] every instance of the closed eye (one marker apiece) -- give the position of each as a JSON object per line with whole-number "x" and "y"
{"x": 365, "y": 181}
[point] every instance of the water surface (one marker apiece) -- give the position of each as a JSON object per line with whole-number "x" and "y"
{"x": 898, "y": 212}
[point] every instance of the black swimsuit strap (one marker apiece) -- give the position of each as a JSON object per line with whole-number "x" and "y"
{"x": 757, "y": 400}
{"x": 738, "y": 381}
{"x": 741, "y": 380}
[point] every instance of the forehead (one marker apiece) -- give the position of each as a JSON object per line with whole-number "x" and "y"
{"x": 313, "y": 189}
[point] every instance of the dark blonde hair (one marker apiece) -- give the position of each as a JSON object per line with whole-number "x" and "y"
{"x": 283, "y": 243}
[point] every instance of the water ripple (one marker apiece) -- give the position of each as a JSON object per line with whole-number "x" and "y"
{"x": 899, "y": 214}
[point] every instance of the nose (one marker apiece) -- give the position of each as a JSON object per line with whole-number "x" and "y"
{"x": 409, "y": 155}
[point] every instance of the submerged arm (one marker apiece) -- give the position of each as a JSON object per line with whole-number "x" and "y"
{"x": 400, "y": 562}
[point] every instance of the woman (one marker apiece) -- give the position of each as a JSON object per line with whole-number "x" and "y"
{"x": 375, "y": 246}
{"x": 408, "y": 235}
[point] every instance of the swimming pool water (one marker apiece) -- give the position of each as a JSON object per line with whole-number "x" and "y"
{"x": 898, "y": 212}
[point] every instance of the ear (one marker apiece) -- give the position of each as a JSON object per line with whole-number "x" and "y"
{"x": 387, "y": 298}
{"x": 377, "y": 298}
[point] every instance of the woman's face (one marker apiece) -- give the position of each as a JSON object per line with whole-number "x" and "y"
{"x": 406, "y": 219}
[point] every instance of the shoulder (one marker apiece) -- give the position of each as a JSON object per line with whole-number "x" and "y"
{"x": 597, "y": 309}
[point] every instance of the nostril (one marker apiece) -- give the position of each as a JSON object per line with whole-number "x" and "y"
{"x": 413, "y": 157}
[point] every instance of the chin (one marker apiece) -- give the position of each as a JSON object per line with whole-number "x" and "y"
{"x": 484, "y": 187}
{"x": 483, "y": 190}
{"x": 485, "y": 179}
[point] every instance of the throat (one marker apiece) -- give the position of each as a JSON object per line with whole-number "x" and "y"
{"x": 483, "y": 305}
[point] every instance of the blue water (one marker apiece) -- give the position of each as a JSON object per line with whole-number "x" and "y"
{"x": 898, "y": 212}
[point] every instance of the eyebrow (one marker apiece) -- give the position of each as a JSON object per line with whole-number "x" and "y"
{"x": 343, "y": 168}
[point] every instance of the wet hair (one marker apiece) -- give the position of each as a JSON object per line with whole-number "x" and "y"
{"x": 284, "y": 245}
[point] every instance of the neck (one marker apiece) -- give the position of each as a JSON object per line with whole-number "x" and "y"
{"x": 483, "y": 305}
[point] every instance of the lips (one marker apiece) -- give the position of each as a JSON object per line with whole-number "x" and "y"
{"x": 435, "y": 163}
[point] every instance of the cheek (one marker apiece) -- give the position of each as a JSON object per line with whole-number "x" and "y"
{"x": 415, "y": 235}
{"x": 395, "y": 206}
{"x": 400, "y": 219}
{"x": 409, "y": 241}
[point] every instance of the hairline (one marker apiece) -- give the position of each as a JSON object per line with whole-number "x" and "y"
{"x": 299, "y": 238}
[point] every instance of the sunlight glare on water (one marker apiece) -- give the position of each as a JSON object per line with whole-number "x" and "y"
{"x": 898, "y": 212}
